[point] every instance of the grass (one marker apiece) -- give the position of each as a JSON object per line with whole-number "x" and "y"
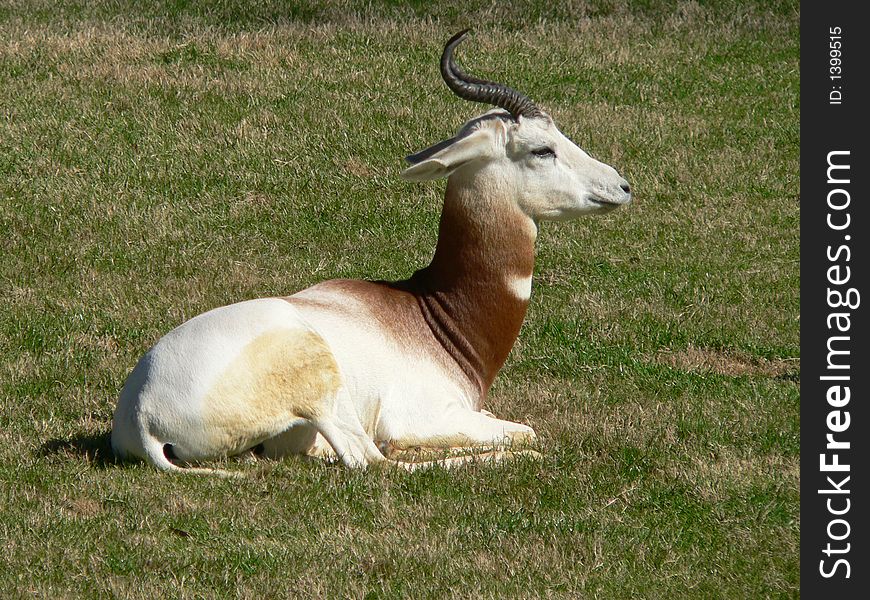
{"x": 160, "y": 160}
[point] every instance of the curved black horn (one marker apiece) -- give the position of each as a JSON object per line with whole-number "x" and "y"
{"x": 480, "y": 90}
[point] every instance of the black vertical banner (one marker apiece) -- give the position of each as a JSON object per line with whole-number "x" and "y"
{"x": 835, "y": 299}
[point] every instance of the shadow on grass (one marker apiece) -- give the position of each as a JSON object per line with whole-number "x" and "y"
{"x": 95, "y": 448}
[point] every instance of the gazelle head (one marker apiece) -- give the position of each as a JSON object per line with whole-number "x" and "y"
{"x": 518, "y": 149}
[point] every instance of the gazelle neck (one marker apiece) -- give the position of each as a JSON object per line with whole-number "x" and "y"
{"x": 475, "y": 293}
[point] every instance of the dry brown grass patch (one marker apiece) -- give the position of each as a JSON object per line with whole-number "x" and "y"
{"x": 712, "y": 477}
{"x": 723, "y": 362}
{"x": 83, "y": 508}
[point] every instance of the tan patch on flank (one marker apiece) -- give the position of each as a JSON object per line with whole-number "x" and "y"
{"x": 280, "y": 376}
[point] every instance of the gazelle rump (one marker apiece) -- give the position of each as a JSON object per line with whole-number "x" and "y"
{"x": 350, "y": 368}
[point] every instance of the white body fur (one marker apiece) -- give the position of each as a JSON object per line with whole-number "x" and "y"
{"x": 389, "y": 393}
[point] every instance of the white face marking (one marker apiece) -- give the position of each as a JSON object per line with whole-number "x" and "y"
{"x": 559, "y": 180}
{"x": 521, "y": 287}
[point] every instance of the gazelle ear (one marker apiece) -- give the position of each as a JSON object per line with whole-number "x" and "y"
{"x": 445, "y": 157}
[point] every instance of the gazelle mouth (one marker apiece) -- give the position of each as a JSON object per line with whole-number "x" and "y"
{"x": 603, "y": 202}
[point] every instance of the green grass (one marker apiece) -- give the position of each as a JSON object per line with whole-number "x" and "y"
{"x": 160, "y": 160}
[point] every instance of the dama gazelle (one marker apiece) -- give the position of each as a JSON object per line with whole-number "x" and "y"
{"x": 348, "y": 367}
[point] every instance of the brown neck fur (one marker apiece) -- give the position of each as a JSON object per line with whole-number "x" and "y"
{"x": 465, "y": 294}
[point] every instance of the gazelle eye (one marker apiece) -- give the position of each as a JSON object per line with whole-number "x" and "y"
{"x": 545, "y": 152}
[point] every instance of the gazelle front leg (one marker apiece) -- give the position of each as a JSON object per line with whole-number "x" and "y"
{"x": 458, "y": 431}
